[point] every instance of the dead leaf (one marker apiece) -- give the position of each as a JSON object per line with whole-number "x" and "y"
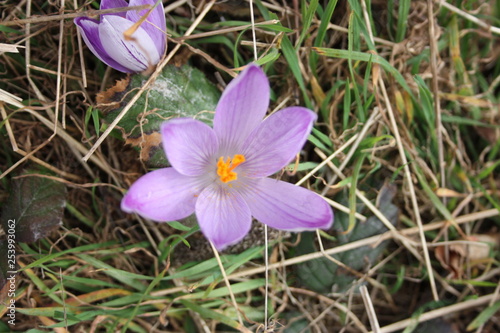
{"x": 146, "y": 143}
{"x": 447, "y": 193}
{"x": 111, "y": 99}
{"x": 461, "y": 253}
{"x": 318, "y": 93}
{"x": 492, "y": 135}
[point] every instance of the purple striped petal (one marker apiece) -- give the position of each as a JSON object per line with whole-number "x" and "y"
{"x": 162, "y": 195}
{"x": 223, "y": 216}
{"x": 241, "y": 108}
{"x": 285, "y": 206}
{"x": 154, "y": 25}
{"x": 109, "y": 4}
{"x": 89, "y": 29}
{"x": 136, "y": 55}
{"x": 190, "y": 145}
{"x": 276, "y": 141}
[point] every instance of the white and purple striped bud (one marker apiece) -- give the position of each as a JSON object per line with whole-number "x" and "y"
{"x": 106, "y": 39}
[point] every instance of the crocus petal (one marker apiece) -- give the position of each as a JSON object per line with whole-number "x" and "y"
{"x": 242, "y": 107}
{"x": 89, "y": 29}
{"x": 162, "y": 195}
{"x": 276, "y": 141}
{"x": 109, "y": 4}
{"x": 285, "y": 206}
{"x": 223, "y": 216}
{"x": 136, "y": 55}
{"x": 190, "y": 145}
{"x": 154, "y": 25}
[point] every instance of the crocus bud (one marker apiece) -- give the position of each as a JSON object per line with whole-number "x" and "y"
{"x": 106, "y": 39}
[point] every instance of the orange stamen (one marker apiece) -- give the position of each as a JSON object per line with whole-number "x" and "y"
{"x": 225, "y": 169}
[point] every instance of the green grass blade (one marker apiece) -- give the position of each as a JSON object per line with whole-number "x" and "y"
{"x": 236, "y": 288}
{"x": 323, "y": 28}
{"x": 357, "y": 11}
{"x": 346, "y": 115}
{"x": 307, "y": 17}
{"x": 352, "y": 193}
{"x": 403, "y": 11}
{"x": 438, "y": 204}
{"x": 84, "y": 248}
{"x": 484, "y": 316}
{"x": 362, "y": 56}
{"x": 130, "y": 279}
{"x": 293, "y": 61}
{"x": 353, "y": 31}
{"x": 208, "y": 313}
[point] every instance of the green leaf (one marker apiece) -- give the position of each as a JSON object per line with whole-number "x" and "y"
{"x": 272, "y": 56}
{"x": 34, "y": 207}
{"x": 275, "y": 28}
{"x": 304, "y": 166}
{"x": 7, "y": 29}
{"x": 323, "y": 137}
{"x": 295, "y": 322}
{"x": 177, "y": 92}
{"x": 322, "y": 274}
{"x": 315, "y": 141}
{"x": 371, "y": 142}
{"x": 179, "y": 226}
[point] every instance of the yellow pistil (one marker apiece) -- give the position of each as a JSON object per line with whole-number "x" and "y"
{"x": 225, "y": 169}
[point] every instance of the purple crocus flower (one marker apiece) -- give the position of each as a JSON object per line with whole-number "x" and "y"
{"x": 106, "y": 40}
{"x": 221, "y": 173}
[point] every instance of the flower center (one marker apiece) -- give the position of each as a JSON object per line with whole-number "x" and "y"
{"x": 225, "y": 169}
